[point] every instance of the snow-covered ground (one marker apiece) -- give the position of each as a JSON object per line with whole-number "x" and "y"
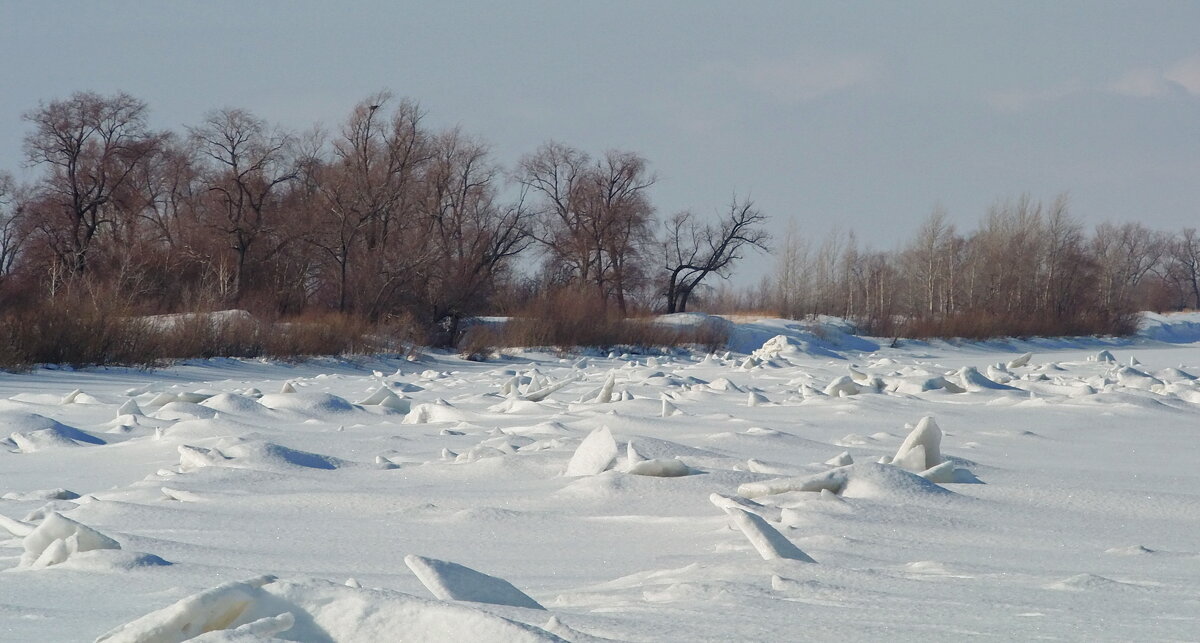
{"x": 681, "y": 497}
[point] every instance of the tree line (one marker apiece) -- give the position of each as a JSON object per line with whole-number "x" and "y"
{"x": 380, "y": 217}
{"x": 1029, "y": 268}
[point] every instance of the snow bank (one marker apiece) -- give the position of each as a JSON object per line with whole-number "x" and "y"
{"x": 319, "y": 611}
{"x": 215, "y": 609}
{"x": 453, "y": 582}
{"x": 843, "y": 386}
{"x": 439, "y": 411}
{"x": 316, "y": 405}
{"x": 234, "y": 403}
{"x": 252, "y": 454}
{"x": 659, "y": 468}
{"x": 972, "y": 380}
{"x": 916, "y": 384}
{"x": 32, "y": 432}
{"x": 1174, "y": 328}
{"x": 863, "y": 480}
{"x": 385, "y": 397}
{"x": 57, "y": 538}
{"x": 786, "y": 339}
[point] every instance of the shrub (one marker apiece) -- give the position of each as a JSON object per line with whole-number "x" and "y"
{"x": 90, "y": 334}
{"x": 981, "y": 325}
{"x": 568, "y": 320}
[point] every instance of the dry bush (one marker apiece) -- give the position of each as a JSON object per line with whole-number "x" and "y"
{"x": 568, "y": 320}
{"x": 74, "y": 333}
{"x": 203, "y": 335}
{"x": 981, "y": 325}
{"x": 91, "y": 334}
{"x": 328, "y": 334}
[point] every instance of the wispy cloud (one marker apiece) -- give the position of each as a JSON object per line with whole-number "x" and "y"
{"x": 1019, "y": 100}
{"x": 798, "y": 79}
{"x": 1149, "y": 82}
{"x": 1181, "y": 78}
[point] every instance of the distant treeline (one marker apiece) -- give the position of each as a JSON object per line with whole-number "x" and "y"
{"x": 380, "y": 218}
{"x": 1029, "y": 268}
{"x": 396, "y": 227}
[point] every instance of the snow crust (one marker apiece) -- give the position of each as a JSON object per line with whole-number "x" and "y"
{"x": 1015, "y": 489}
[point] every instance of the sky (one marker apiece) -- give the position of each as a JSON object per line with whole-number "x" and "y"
{"x": 852, "y": 116}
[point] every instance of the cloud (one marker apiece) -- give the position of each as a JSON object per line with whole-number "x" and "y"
{"x": 1019, "y": 100}
{"x": 798, "y": 79}
{"x": 1186, "y": 74}
{"x": 1140, "y": 83}
{"x": 1181, "y": 78}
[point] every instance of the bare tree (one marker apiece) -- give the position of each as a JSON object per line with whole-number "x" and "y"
{"x": 791, "y": 292}
{"x": 1184, "y": 266}
{"x": 1125, "y": 255}
{"x": 594, "y": 217}
{"x": 367, "y": 192}
{"x": 472, "y": 237}
{"x": 247, "y": 165}
{"x": 92, "y": 145}
{"x": 928, "y": 259}
{"x": 694, "y": 251}
{"x": 12, "y": 225}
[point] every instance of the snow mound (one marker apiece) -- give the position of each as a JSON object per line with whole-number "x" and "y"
{"x": 385, "y": 397}
{"x": 319, "y": 611}
{"x": 768, "y": 339}
{"x": 42, "y": 494}
{"x": 130, "y": 407}
{"x": 57, "y": 538}
{"x": 1131, "y": 550}
{"x": 234, "y": 403}
{"x": 253, "y": 454}
{"x": 109, "y": 561}
{"x": 1090, "y": 582}
{"x": 35, "y": 432}
{"x": 660, "y": 468}
{"x": 972, "y": 380}
{"x": 1175, "y": 375}
{"x": 79, "y": 397}
{"x": 843, "y": 386}
{"x": 1174, "y": 328}
{"x": 311, "y": 404}
{"x": 259, "y": 631}
{"x": 1130, "y": 377}
{"x": 453, "y": 582}
{"x": 840, "y": 460}
{"x": 436, "y": 412}
{"x": 262, "y": 454}
{"x": 916, "y": 384}
{"x": 863, "y": 480}
{"x": 180, "y": 410}
{"x": 594, "y": 455}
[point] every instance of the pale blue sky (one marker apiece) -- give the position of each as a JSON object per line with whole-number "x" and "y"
{"x": 862, "y": 115}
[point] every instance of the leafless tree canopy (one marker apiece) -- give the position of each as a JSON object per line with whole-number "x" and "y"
{"x": 694, "y": 250}
{"x": 381, "y": 217}
{"x": 1029, "y": 268}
